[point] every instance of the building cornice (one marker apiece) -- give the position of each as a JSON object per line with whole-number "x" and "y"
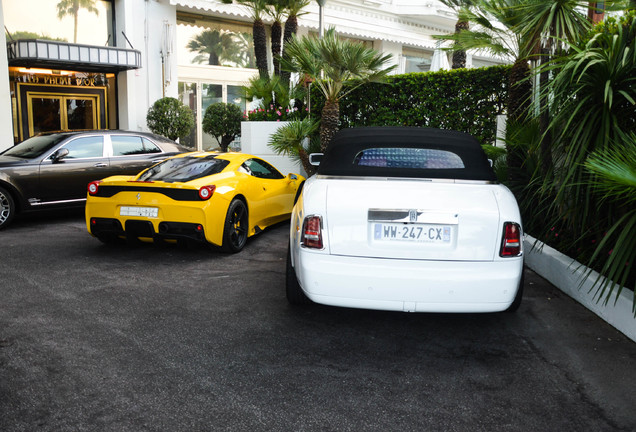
{"x": 401, "y": 21}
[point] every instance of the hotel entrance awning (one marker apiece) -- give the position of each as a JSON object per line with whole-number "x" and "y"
{"x": 63, "y": 55}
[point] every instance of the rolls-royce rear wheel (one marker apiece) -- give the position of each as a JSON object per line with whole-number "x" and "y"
{"x": 295, "y": 294}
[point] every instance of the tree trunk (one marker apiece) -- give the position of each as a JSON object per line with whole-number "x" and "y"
{"x": 260, "y": 48}
{"x": 544, "y": 117}
{"x": 304, "y": 160}
{"x": 291, "y": 27}
{"x": 329, "y": 123}
{"x": 225, "y": 142}
{"x": 213, "y": 59}
{"x": 276, "y": 45}
{"x": 519, "y": 98}
{"x": 459, "y": 56}
{"x": 75, "y": 13}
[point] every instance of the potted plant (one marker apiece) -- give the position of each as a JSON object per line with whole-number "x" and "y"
{"x": 223, "y": 122}
{"x": 170, "y": 118}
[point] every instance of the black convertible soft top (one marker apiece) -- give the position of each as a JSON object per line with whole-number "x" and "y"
{"x": 406, "y": 152}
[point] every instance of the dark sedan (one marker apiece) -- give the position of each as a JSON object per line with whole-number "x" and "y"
{"x": 52, "y": 170}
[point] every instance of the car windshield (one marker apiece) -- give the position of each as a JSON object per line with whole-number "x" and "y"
{"x": 184, "y": 169}
{"x": 34, "y": 147}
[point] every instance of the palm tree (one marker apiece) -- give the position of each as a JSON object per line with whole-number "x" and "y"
{"x": 215, "y": 47}
{"x": 257, "y": 9}
{"x": 547, "y": 27}
{"x": 502, "y": 41}
{"x": 462, "y": 7}
{"x": 293, "y": 9}
{"x": 72, "y": 7}
{"x": 337, "y": 67}
{"x": 276, "y": 11}
{"x": 289, "y": 140}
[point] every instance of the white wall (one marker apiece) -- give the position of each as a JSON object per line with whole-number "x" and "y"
{"x": 6, "y": 122}
{"x": 254, "y": 138}
{"x": 143, "y": 22}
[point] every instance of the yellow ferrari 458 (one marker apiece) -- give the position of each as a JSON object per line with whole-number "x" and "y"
{"x": 218, "y": 198}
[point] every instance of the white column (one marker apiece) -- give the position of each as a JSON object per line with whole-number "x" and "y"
{"x": 143, "y": 22}
{"x": 393, "y": 48}
{"x": 6, "y": 113}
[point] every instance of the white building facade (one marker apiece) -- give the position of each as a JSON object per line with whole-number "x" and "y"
{"x": 122, "y": 55}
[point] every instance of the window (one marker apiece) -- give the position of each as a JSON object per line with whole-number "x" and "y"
{"x": 261, "y": 169}
{"x": 91, "y": 24}
{"x": 214, "y": 42}
{"x": 85, "y": 147}
{"x": 416, "y": 60}
{"x": 150, "y": 147}
{"x": 126, "y": 145}
{"x": 409, "y": 158}
{"x": 184, "y": 169}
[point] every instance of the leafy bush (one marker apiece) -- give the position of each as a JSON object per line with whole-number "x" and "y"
{"x": 170, "y": 118}
{"x": 466, "y": 100}
{"x": 297, "y": 139}
{"x": 223, "y": 122}
{"x": 593, "y": 126}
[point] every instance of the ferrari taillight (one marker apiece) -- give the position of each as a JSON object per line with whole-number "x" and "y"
{"x": 93, "y": 187}
{"x": 206, "y": 192}
{"x": 311, "y": 236}
{"x": 511, "y": 243}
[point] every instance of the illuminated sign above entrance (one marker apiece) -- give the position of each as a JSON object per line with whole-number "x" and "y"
{"x": 63, "y": 55}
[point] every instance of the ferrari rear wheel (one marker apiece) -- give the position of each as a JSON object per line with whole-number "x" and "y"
{"x": 294, "y": 292}
{"x": 7, "y": 208}
{"x": 235, "y": 228}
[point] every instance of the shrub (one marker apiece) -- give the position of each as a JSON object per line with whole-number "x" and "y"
{"x": 170, "y": 118}
{"x": 297, "y": 139}
{"x": 223, "y": 122}
{"x": 466, "y": 100}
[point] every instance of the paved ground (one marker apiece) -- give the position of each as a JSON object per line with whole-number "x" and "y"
{"x": 102, "y": 338}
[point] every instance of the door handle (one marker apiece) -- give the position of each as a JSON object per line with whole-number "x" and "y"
{"x": 100, "y": 165}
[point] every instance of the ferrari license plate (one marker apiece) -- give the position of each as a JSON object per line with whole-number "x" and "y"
{"x": 427, "y": 233}
{"x": 150, "y": 212}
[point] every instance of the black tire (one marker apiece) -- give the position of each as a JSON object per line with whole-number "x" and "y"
{"x": 235, "y": 227}
{"x": 295, "y": 294}
{"x": 7, "y": 208}
{"x": 518, "y": 297}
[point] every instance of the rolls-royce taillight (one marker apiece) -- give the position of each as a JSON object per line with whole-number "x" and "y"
{"x": 311, "y": 235}
{"x": 511, "y": 243}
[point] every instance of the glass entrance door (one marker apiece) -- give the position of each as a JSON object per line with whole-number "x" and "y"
{"x": 50, "y": 112}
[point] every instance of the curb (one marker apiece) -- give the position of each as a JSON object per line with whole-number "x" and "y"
{"x": 567, "y": 274}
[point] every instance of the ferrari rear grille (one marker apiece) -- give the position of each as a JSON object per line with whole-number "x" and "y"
{"x": 175, "y": 194}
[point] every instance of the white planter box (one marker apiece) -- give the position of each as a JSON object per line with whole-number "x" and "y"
{"x": 567, "y": 274}
{"x": 254, "y": 138}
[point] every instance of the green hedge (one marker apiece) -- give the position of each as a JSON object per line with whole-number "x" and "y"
{"x": 463, "y": 99}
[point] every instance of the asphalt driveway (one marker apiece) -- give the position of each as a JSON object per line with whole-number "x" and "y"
{"x": 112, "y": 338}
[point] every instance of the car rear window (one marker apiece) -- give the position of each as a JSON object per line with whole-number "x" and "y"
{"x": 409, "y": 158}
{"x": 184, "y": 169}
{"x": 409, "y": 152}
